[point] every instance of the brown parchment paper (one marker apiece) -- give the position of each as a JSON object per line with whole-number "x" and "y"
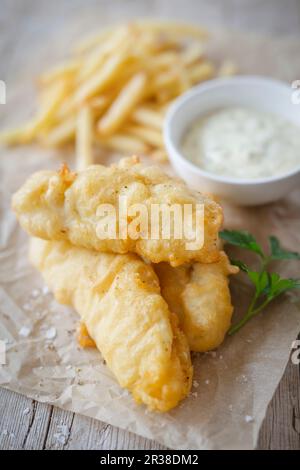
{"x": 233, "y": 385}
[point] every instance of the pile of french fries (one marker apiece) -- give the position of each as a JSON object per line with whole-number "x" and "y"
{"x": 116, "y": 88}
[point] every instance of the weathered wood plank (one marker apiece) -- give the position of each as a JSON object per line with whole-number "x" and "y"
{"x": 27, "y": 424}
{"x": 281, "y": 427}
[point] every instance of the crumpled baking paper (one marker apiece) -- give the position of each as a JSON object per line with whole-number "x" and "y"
{"x": 233, "y": 385}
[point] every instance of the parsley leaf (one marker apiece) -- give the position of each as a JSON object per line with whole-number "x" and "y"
{"x": 277, "y": 252}
{"x": 267, "y": 285}
{"x": 243, "y": 239}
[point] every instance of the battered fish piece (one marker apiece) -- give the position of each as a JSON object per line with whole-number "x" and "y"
{"x": 65, "y": 206}
{"x": 118, "y": 299}
{"x": 199, "y": 294}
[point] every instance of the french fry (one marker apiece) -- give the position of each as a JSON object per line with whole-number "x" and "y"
{"x": 43, "y": 119}
{"x": 61, "y": 71}
{"x": 159, "y": 156}
{"x": 98, "y": 55}
{"x": 148, "y": 135}
{"x": 21, "y": 135}
{"x": 117, "y": 87}
{"x": 84, "y": 138}
{"x": 173, "y": 27}
{"x": 60, "y": 134}
{"x": 149, "y": 117}
{"x": 121, "y": 108}
{"x": 163, "y": 60}
{"x": 102, "y": 78}
{"x": 124, "y": 143}
{"x": 192, "y": 53}
{"x": 201, "y": 72}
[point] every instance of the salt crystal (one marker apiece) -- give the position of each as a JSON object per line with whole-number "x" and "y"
{"x": 60, "y": 438}
{"x": 45, "y": 290}
{"x": 249, "y": 419}
{"x": 24, "y": 331}
{"x": 35, "y": 293}
{"x": 195, "y": 384}
{"x": 26, "y": 411}
{"x": 207, "y": 382}
{"x": 62, "y": 434}
{"x": 51, "y": 333}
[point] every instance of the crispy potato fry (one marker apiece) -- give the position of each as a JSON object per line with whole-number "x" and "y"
{"x": 61, "y": 71}
{"x": 125, "y": 144}
{"x": 192, "y": 53}
{"x": 148, "y": 135}
{"x": 43, "y": 119}
{"x": 100, "y": 102}
{"x": 102, "y": 78}
{"x": 84, "y": 138}
{"x": 163, "y": 60}
{"x": 174, "y": 27}
{"x": 121, "y": 108}
{"x": 98, "y": 55}
{"x": 149, "y": 117}
{"x": 131, "y": 71}
{"x": 159, "y": 156}
{"x": 60, "y": 134}
{"x": 201, "y": 72}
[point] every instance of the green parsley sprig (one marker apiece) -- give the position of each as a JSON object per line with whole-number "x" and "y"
{"x": 267, "y": 285}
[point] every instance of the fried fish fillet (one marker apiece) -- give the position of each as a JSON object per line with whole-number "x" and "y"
{"x": 65, "y": 206}
{"x": 118, "y": 299}
{"x": 199, "y": 294}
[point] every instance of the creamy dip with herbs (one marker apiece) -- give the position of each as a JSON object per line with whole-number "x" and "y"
{"x": 243, "y": 143}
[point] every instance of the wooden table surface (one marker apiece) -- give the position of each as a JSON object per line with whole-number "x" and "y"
{"x": 27, "y": 424}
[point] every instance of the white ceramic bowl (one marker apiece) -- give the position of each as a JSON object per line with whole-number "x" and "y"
{"x": 262, "y": 93}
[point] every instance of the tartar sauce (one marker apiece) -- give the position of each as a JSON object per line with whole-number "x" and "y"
{"x": 243, "y": 143}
